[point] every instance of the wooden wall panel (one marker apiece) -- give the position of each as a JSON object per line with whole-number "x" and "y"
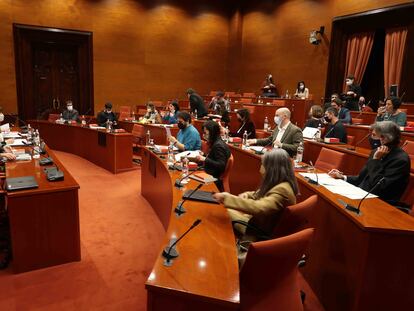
{"x": 276, "y": 40}
{"x": 142, "y": 49}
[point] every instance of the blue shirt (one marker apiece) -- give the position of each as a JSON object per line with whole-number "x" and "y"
{"x": 190, "y": 138}
{"x": 170, "y": 119}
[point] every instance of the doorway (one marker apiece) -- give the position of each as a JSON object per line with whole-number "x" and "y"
{"x": 52, "y": 67}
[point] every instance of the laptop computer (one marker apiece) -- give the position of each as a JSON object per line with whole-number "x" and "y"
{"x": 21, "y": 183}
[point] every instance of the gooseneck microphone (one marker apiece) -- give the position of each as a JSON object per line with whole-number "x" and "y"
{"x": 170, "y": 252}
{"x": 356, "y": 210}
{"x": 358, "y": 142}
{"x": 330, "y": 131}
{"x": 179, "y": 210}
{"x": 310, "y": 180}
{"x": 178, "y": 181}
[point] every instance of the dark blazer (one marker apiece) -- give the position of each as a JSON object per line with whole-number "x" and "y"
{"x": 314, "y": 123}
{"x": 395, "y": 167}
{"x": 216, "y": 161}
{"x": 197, "y": 102}
{"x": 72, "y": 115}
{"x": 337, "y": 130}
{"x": 344, "y": 115}
{"x": 248, "y": 127}
{"x": 351, "y": 101}
{"x": 290, "y": 140}
{"x": 104, "y": 116}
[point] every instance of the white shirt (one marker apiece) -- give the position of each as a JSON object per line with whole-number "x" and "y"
{"x": 280, "y": 134}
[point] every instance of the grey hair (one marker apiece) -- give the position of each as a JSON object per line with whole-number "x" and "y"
{"x": 285, "y": 111}
{"x": 278, "y": 168}
{"x": 389, "y": 130}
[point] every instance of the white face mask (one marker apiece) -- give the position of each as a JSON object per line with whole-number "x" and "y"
{"x": 301, "y": 86}
{"x": 348, "y": 82}
{"x": 278, "y": 120}
{"x": 70, "y": 108}
{"x": 1, "y": 117}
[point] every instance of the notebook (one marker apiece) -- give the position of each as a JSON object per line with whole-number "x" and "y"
{"x": 203, "y": 196}
{"x": 20, "y": 183}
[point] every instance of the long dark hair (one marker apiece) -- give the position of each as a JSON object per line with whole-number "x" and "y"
{"x": 244, "y": 114}
{"x": 299, "y": 83}
{"x": 175, "y": 104}
{"x": 278, "y": 168}
{"x": 213, "y": 131}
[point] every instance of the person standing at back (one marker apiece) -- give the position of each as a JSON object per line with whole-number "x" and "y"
{"x": 196, "y": 103}
{"x": 352, "y": 94}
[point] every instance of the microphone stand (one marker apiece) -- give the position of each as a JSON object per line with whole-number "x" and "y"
{"x": 358, "y": 142}
{"x": 310, "y": 180}
{"x": 170, "y": 252}
{"x": 356, "y": 210}
{"x": 179, "y": 210}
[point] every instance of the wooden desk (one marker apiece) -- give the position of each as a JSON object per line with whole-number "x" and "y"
{"x": 355, "y": 263}
{"x": 44, "y": 222}
{"x": 205, "y": 276}
{"x": 158, "y": 132}
{"x": 112, "y": 151}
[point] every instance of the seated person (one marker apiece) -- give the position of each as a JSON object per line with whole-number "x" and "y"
{"x": 262, "y": 207}
{"x": 219, "y": 96}
{"x": 388, "y": 161}
{"x": 196, "y": 104}
{"x": 286, "y": 135}
{"x": 315, "y": 117}
{"x": 243, "y": 116}
{"x": 344, "y": 115}
{"x": 302, "y": 91}
{"x": 335, "y": 127}
{"x": 152, "y": 115}
{"x": 170, "y": 117}
{"x": 106, "y": 115}
{"x": 70, "y": 114}
{"x": 220, "y": 110}
{"x": 390, "y": 112}
{"x": 216, "y": 160}
{"x": 269, "y": 87}
{"x": 188, "y": 137}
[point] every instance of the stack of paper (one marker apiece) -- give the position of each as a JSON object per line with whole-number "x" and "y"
{"x": 188, "y": 154}
{"x": 338, "y": 186}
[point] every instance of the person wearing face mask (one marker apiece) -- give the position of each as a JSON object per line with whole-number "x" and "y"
{"x": 70, "y": 114}
{"x": 302, "y": 91}
{"x": 170, "y": 117}
{"x": 286, "y": 135}
{"x": 315, "y": 117}
{"x": 335, "y": 127}
{"x": 388, "y": 161}
{"x": 261, "y": 208}
{"x": 390, "y": 112}
{"x": 344, "y": 115}
{"x": 105, "y": 115}
{"x": 188, "y": 137}
{"x": 352, "y": 94}
{"x": 5, "y": 150}
{"x": 152, "y": 115}
{"x": 214, "y": 101}
{"x": 216, "y": 160}
{"x": 246, "y": 124}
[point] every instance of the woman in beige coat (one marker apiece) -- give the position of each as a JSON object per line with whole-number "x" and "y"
{"x": 263, "y": 206}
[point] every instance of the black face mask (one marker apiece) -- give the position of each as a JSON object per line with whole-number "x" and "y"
{"x": 181, "y": 125}
{"x": 375, "y": 143}
{"x": 327, "y": 119}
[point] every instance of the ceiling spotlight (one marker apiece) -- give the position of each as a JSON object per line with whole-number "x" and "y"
{"x": 315, "y": 35}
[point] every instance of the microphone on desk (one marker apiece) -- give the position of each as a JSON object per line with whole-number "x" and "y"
{"x": 310, "y": 180}
{"x": 179, "y": 210}
{"x": 358, "y": 142}
{"x": 43, "y": 153}
{"x": 404, "y": 144}
{"x": 16, "y": 118}
{"x": 264, "y": 147}
{"x": 170, "y": 252}
{"x": 356, "y": 210}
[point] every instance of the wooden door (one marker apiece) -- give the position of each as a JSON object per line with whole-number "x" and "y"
{"x": 55, "y": 78}
{"x": 52, "y": 66}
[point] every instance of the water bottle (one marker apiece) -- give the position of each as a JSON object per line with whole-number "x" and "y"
{"x": 195, "y": 114}
{"x": 184, "y": 169}
{"x": 83, "y": 121}
{"x": 244, "y": 142}
{"x": 170, "y": 157}
{"x": 287, "y": 94}
{"x": 299, "y": 153}
{"x": 148, "y": 138}
{"x": 318, "y": 134}
{"x": 133, "y": 116}
{"x": 226, "y": 134}
{"x": 266, "y": 124}
{"x": 108, "y": 126}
